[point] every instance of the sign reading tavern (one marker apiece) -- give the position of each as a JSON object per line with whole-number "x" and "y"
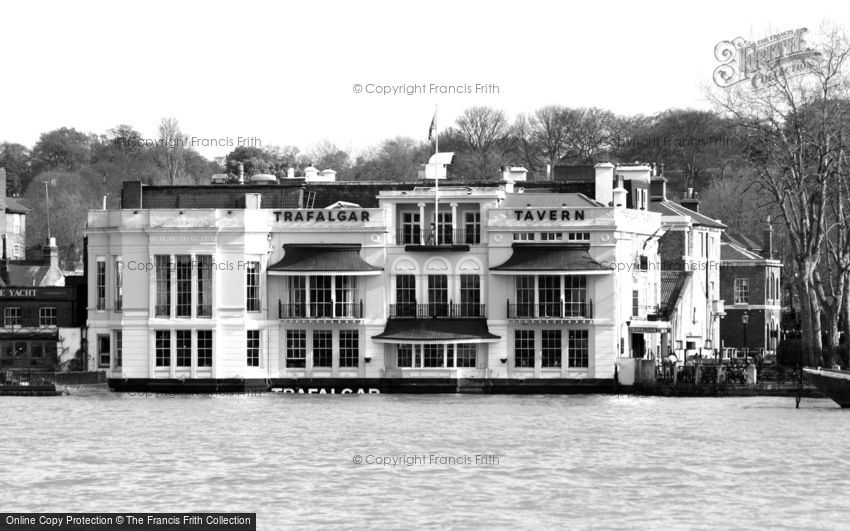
{"x": 321, "y": 215}
{"x": 548, "y": 215}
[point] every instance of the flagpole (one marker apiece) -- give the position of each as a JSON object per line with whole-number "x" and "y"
{"x": 436, "y": 179}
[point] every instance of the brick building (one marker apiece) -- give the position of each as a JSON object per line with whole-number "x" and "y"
{"x": 751, "y": 285}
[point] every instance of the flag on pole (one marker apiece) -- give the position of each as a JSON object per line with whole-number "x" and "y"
{"x": 433, "y": 128}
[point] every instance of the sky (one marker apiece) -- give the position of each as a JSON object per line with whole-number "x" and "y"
{"x": 287, "y": 73}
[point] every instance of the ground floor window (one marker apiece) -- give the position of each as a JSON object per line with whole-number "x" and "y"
{"x": 118, "y": 336}
{"x": 552, "y": 353}
{"x": 205, "y": 348}
{"x": 466, "y": 355}
{"x": 349, "y": 348}
{"x": 103, "y": 350}
{"x": 28, "y": 353}
{"x": 323, "y": 343}
{"x": 405, "y": 357}
{"x": 163, "y": 348}
{"x": 437, "y": 356}
{"x": 191, "y": 348}
{"x": 184, "y": 348}
{"x": 577, "y": 346}
{"x": 296, "y": 348}
{"x": 433, "y": 356}
{"x": 551, "y": 349}
{"x": 252, "y": 339}
{"x": 524, "y": 348}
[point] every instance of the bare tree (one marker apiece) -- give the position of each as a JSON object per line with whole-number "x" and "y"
{"x": 544, "y": 136}
{"x": 793, "y": 132}
{"x": 590, "y": 135}
{"x": 171, "y": 148}
{"x": 482, "y": 128}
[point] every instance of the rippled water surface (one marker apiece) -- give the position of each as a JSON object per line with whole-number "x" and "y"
{"x": 563, "y": 461}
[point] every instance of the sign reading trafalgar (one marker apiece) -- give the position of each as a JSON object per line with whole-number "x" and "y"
{"x": 316, "y": 216}
{"x": 549, "y": 215}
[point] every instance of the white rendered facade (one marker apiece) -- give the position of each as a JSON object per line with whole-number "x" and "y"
{"x": 204, "y": 318}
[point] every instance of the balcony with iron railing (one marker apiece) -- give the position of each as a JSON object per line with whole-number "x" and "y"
{"x": 451, "y": 239}
{"x": 320, "y": 310}
{"x": 437, "y": 311}
{"x": 565, "y": 310}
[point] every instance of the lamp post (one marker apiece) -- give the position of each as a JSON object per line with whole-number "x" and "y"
{"x": 745, "y": 319}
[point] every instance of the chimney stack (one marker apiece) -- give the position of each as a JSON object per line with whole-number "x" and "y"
{"x": 604, "y": 179}
{"x": 290, "y": 173}
{"x": 619, "y": 194}
{"x": 53, "y": 253}
{"x": 767, "y": 237}
{"x": 690, "y": 201}
{"x": 658, "y": 187}
{"x": 241, "y": 173}
{"x": 310, "y": 173}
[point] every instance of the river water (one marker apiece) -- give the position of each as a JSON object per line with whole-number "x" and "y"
{"x": 461, "y": 461}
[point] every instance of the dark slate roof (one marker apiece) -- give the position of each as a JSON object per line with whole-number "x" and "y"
{"x": 436, "y": 331}
{"x": 322, "y": 257}
{"x": 551, "y": 257}
{"x": 741, "y": 241}
{"x": 669, "y": 208}
{"x": 672, "y": 286}
{"x": 730, "y": 251}
{"x": 14, "y": 207}
{"x": 18, "y": 273}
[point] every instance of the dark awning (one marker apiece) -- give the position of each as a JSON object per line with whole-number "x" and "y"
{"x": 537, "y": 258}
{"x": 436, "y": 331}
{"x": 322, "y": 259}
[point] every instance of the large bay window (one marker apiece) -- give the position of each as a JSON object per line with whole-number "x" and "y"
{"x": 433, "y": 356}
{"x": 321, "y": 296}
{"x": 550, "y": 296}
{"x": 185, "y": 279}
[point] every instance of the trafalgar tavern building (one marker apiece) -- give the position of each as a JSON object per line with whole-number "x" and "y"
{"x": 312, "y": 285}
